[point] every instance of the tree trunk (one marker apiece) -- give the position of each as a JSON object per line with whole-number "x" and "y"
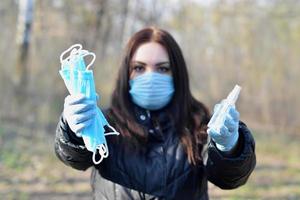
{"x": 101, "y": 7}
{"x": 24, "y": 26}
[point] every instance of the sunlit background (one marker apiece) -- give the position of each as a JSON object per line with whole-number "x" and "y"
{"x": 254, "y": 43}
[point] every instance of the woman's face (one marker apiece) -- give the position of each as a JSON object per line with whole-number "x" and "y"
{"x": 150, "y": 57}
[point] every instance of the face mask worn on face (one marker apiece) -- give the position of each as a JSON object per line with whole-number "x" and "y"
{"x": 79, "y": 78}
{"x": 152, "y": 90}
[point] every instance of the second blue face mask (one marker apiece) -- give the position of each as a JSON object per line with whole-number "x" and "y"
{"x": 152, "y": 90}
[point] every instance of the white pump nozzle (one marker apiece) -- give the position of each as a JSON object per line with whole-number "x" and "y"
{"x": 233, "y": 95}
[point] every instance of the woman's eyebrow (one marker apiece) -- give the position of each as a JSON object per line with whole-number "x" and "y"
{"x": 157, "y": 64}
{"x": 139, "y": 62}
{"x": 162, "y": 63}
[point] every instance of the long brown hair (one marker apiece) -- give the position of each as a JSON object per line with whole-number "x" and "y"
{"x": 189, "y": 115}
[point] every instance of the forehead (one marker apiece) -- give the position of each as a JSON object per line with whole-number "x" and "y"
{"x": 151, "y": 52}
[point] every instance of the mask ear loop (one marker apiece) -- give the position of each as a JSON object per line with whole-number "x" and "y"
{"x": 103, "y": 151}
{"x": 83, "y": 53}
{"x": 102, "y": 148}
{"x": 73, "y": 47}
{"x": 93, "y": 60}
{"x": 114, "y": 132}
{"x": 77, "y": 52}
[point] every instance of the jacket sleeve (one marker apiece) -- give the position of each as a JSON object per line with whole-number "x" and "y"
{"x": 229, "y": 172}
{"x": 69, "y": 148}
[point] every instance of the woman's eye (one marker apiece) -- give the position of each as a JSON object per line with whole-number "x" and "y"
{"x": 163, "y": 69}
{"x": 138, "y": 68}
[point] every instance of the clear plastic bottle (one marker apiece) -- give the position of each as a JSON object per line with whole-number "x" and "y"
{"x": 219, "y": 117}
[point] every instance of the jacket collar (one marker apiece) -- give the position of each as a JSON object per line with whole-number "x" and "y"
{"x": 157, "y": 123}
{"x": 143, "y": 116}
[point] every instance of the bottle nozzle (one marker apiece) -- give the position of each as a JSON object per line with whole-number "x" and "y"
{"x": 234, "y": 94}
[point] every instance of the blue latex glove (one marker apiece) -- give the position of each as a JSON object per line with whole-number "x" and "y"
{"x": 228, "y": 136}
{"x": 79, "y": 112}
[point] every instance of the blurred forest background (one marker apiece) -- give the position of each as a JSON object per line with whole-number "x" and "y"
{"x": 255, "y": 44}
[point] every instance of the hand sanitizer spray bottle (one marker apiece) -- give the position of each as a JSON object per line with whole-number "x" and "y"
{"x": 218, "y": 118}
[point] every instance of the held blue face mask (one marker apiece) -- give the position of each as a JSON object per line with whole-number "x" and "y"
{"x": 79, "y": 79}
{"x": 152, "y": 90}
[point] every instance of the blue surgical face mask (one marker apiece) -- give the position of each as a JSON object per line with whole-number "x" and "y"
{"x": 152, "y": 90}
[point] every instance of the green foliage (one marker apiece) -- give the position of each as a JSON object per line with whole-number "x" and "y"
{"x": 13, "y": 159}
{"x": 17, "y": 195}
{"x": 12, "y": 155}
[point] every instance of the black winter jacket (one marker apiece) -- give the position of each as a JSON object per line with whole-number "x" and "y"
{"x": 163, "y": 171}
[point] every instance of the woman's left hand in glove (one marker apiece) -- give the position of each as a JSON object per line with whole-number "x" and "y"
{"x": 227, "y": 137}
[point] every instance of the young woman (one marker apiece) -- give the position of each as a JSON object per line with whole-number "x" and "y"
{"x": 163, "y": 151}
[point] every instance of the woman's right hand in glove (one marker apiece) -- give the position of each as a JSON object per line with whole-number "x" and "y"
{"x": 79, "y": 112}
